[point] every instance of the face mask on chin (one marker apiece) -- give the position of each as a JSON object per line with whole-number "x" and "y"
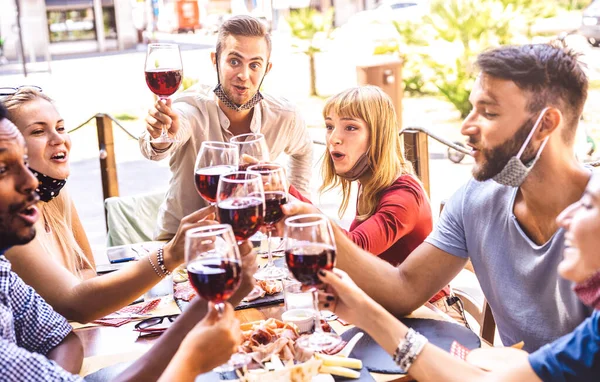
{"x": 361, "y": 166}
{"x": 48, "y": 187}
{"x": 514, "y": 172}
{"x": 222, "y": 96}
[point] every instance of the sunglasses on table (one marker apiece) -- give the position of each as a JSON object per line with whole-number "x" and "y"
{"x": 149, "y": 324}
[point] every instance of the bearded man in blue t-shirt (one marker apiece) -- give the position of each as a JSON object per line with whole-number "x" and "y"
{"x": 527, "y": 102}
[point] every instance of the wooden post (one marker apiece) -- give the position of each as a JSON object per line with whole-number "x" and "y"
{"x": 417, "y": 152}
{"x": 108, "y": 162}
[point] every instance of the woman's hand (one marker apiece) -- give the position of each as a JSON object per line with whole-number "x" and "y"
{"x": 174, "y": 249}
{"x": 343, "y": 297}
{"x": 213, "y": 340}
{"x": 249, "y": 268}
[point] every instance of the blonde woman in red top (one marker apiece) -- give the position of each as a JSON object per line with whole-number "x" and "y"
{"x": 393, "y": 213}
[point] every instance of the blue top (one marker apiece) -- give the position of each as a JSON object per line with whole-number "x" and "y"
{"x": 575, "y": 356}
{"x": 29, "y": 329}
{"x": 529, "y": 300}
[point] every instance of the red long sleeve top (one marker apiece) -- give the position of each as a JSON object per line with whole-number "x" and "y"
{"x": 400, "y": 223}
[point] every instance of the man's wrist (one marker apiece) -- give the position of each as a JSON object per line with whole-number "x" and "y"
{"x": 161, "y": 147}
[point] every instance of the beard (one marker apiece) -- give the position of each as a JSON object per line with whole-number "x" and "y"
{"x": 13, "y": 231}
{"x": 10, "y": 238}
{"x": 495, "y": 158}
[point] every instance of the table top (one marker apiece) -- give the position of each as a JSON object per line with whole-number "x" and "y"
{"x": 105, "y": 346}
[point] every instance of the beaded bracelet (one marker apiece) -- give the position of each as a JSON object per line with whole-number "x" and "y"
{"x": 160, "y": 258}
{"x": 154, "y": 267}
{"x": 408, "y": 349}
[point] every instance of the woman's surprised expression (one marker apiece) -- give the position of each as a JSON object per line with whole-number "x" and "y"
{"x": 347, "y": 139}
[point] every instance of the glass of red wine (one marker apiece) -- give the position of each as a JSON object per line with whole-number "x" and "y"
{"x": 253, "y": 149}
{"x": 164, "y": 72}
{"x": 310, "y": 247}
{"x": 275, "y": 186}
{"x": 241, "y": 203}
{"x": 214, "y": 159}
{"x": 214, "y": 267}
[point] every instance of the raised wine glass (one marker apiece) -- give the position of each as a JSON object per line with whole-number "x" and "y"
{"x": 310, "y": 247}
{"x": 253, "y": 147}
{"x": 214, "y": 159}
{"x": 275, "y": 186}
{"x": 164, "y": 72}
{"x": 214, "y": 267}
{"x": 241, "y": 203}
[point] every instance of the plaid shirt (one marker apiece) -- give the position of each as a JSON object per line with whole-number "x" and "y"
{"x": 29, "y": 329}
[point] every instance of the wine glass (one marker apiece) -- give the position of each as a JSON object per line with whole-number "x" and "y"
{"x": 275, "y": 186}
{"x": 214, "y": 159}
{"x": 164, "y": 73}
{"x": 241, "y": 203}
{"x": 214, "y": 267}
{"x": 310, "y": 247}
{"x": 251, "y": 145}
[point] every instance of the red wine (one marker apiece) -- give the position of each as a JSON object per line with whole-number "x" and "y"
{"x": 243, "y": 166}
{"x": 214, "y": 279}
{"x": 245, "y": 215}
{"x": 305, "y": 261}
{"x": 164, "y": 82}
{"x": 207, "y": 180}
{"x": 273, "y": 203}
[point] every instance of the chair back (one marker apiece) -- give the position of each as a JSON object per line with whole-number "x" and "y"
{"x": 132, "y": 219}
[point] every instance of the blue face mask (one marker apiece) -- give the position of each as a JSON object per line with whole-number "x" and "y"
{"x": 514, "y": 172}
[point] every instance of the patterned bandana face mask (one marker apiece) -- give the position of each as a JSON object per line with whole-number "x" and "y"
{"x": 227, "y": 102}
{"x": 515, "y": 171}
{"x": 220, "y": 92}
{"x": 48, "y": 187}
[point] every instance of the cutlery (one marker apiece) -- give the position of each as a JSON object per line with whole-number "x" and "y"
{"x": 345, "y": 352}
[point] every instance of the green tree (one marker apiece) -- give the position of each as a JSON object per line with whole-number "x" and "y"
{"x": 307, "y": 26}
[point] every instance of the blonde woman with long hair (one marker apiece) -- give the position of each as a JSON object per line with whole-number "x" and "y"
{"x": 393, "y": 213}
{"x": 59, "y": 263}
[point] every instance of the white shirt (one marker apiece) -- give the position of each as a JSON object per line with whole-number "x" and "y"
{"x": 201, "y": 119}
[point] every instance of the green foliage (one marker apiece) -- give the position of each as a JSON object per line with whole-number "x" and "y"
{"x": 125, "y": 117}
{"x": 307, "y": 24}
{"x": 188, "y": 82}
{"x": 310, "y": 28}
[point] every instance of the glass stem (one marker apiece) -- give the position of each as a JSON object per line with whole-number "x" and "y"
{"x": 318, "y": 328}
{"x": 220, "y": 308}
{"x": 269, "y": 254}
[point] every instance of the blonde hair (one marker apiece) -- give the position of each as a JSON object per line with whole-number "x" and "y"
{"x": 56, "y": 214}
{"x": 373, "y": 106}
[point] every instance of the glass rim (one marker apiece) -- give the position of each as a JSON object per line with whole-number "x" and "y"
{"x": 276, "y": 168}
{"x": 219, "y": 145}
{"x": 226, "y": 177}
{"x": 258, "y": 136}
{"x": 291, "y": 221}
{"x": 209, "y": 230}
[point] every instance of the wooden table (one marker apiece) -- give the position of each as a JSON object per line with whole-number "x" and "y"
{"x": 105, "y": 346}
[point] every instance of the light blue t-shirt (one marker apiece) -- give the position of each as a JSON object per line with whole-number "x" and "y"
{"x": 519, "y": 278}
